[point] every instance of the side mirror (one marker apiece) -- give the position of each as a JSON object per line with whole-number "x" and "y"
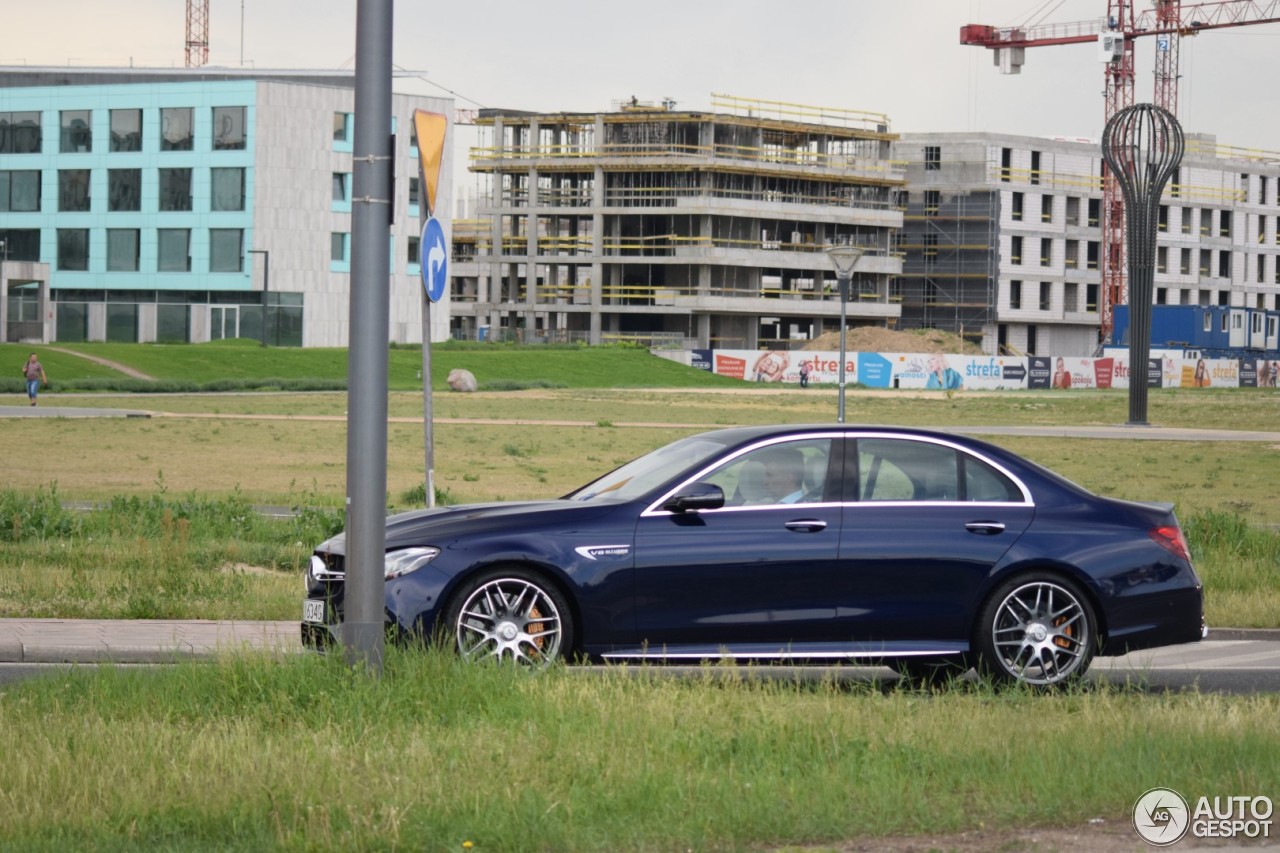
{"x": 694, "y": 497}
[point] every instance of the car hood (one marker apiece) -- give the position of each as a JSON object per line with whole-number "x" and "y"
{"x": 447, "y": 522}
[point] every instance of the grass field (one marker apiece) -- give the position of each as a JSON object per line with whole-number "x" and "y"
{"x": 257, "y": 753}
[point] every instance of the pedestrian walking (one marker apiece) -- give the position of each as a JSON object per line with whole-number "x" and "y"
{"x": 33, "y": 370}
{"x": 804, "y": 374}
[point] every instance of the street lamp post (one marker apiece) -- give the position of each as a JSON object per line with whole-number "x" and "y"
{"x": 844, "y": 258}
{"x": 266, "y": 286}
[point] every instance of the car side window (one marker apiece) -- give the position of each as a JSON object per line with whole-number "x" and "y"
{"x": 784, "y": 473}
{"x": 984, "y": 483}
{"x": 891, "y": 469}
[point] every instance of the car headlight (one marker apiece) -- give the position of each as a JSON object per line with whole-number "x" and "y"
{"x": 400, "y": 563}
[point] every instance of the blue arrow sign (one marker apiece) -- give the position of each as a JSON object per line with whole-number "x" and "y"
{"x": 433, "y": 258}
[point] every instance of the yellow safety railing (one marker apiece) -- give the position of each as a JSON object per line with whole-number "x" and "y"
{"x": 756, "y": 107}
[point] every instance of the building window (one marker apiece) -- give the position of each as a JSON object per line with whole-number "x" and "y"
{"x": 413, "y": 260}
{"x": 173, "y": 250}
{"x": 1162, "y": 296}
{"x": 1224, "y": 265}
{"x": 1175, "y": 184}
{"x": 1015, "y": 294}
{"x": 20, "y": 133}
{"x": 931, "y": 244}
{"x": 1046, "y": 296}
{"x": 932, "y": 158}
{"x": 1015, "y": 249}
{"x": 1073, "y": 210}
{"x": 175, "y": 189}
{"x": 1071, "y": 260}
{"x": 173, "y": 323}
{"x": 1095, "y": 212}
{"x": 122, "y": 249}
{"x": 73, "y": 249}
{"x": 176, "y": 132}
{"x": 1091, "y": 298}
{"x": 338, "y": 247}
{"x": 228, "y": 129}
{"x": 1046, "y": 251}
{"x": 932, "y": 199}
{"x": 1091, "y": 255}
{"x": 227, "y": 189}
{"x": 413, "y": 192}
{"x": 342, "y": 127}
{"x": 1205, "y": 261}
{"x": 1046, "y": 208}
{"x": 124, "y": 190}
{"x": 1162, "y": 259}
{"x": 1016, "y": 209}
{"x": 77, "y": 132}
{"x": 126, "y": 130}
{"x": 1185, "y": 214}
{"x": 1206, "y": 221}
{"x": 341, "y": 186}
{"x": 73, "y": 190}
{"x": 1224, "y": 224}
{"x": 1071, "y": 297}
{"x": 226, "y": 250}
{"x": 1035, "y": 167}
{"x": 1162, "y": 221}
{"x": 1184, "y": 262}
{"x": 1006, "y": 162}
{"x": 20, "y": 191}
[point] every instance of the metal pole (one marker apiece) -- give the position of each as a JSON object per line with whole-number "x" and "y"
{"x": 843, "y": 278}
{"x": 362, "y": 628}
{"x": 844, "y": 258}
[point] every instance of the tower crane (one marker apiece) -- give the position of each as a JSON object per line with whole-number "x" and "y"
{"x": 1168, "y": 21}
{"x": 197, "y": 33}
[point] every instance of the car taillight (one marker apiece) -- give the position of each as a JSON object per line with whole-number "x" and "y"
{"x": 1171, "y": 539}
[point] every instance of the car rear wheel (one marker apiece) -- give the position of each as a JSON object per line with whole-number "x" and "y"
{"x": 510, "y": 614}
{"x": 1036, "y": 629}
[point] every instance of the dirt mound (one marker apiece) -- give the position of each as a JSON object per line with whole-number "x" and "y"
{"x": 879, "y": 339}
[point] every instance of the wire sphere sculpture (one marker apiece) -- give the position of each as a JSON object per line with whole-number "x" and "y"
{"x": 1142, "y": 145}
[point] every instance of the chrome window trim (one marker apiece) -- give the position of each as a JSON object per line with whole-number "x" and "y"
{"x": 654, "y": 510}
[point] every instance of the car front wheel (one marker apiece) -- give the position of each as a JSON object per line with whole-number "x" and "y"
{"x": 510, "y": 614}
{"x": 1036, "y": 629}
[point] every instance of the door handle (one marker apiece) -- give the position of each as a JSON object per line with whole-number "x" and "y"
{"x": 806, "y": 525}
{"x": 986, "y": 528}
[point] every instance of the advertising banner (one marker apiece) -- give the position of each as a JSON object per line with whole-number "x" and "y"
{"x": 942, "y": 372}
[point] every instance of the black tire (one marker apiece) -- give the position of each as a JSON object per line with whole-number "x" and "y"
{"x": 510, "y": 614}
{"x": 930, "y": 672}
{"x": 1038, "y": 629}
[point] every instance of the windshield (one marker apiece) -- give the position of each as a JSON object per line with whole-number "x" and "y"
{"x": 641, "y": 476}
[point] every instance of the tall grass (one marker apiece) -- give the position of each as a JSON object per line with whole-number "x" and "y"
{"x": 158, "y": 557}
{"x": 305, "y": 754}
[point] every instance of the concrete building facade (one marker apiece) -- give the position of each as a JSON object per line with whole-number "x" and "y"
{"x": 1002, "y": 237}
{"x": 193, "y": 205}
{"x": 663, "y": 226}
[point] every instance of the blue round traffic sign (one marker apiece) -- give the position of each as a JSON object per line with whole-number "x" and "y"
{"x": 433, "y": 258}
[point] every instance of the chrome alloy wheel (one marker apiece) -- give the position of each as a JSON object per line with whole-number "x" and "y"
{"x": 509, "y": 618}
{"x": 1041, "y": 633}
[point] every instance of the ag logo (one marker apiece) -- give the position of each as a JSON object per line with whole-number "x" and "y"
{"x": 1161, "y": 817}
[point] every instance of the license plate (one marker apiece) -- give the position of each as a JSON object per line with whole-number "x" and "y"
{"x": 313, "y": 610}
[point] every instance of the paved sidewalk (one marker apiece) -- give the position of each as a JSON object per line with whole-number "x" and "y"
{"x": 167, "y": 640}
{"x": 136, "y": 640}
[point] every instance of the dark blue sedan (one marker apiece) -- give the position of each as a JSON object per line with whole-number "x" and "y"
{"x": 924, "y": 551}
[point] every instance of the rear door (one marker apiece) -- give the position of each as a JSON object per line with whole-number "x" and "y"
{"x": 924, "y": 523}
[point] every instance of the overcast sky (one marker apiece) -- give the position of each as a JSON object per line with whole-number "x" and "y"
{"x": 899, "y": 57}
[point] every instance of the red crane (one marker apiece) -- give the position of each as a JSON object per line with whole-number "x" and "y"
{"x": 1169, "y": 20}
{"x": 197, "y": 33}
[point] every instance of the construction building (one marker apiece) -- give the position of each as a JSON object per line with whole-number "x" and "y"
{"x": 666, "y": 226}
{"x": 1002, "y": 237}
{"x": 194, "y": 204}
